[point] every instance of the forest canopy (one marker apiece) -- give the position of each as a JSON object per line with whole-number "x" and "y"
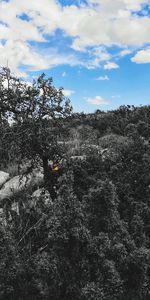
{"x": 81, "y": 232}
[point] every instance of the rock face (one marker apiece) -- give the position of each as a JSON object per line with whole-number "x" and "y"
{"x": 3, "y": 177}
{"x": 18, "y": 183}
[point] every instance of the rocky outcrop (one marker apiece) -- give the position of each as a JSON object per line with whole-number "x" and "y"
{"x": 3, "y": 177}
{"x": 18, "y": 183}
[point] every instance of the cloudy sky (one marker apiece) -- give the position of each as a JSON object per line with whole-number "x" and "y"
{"x": 98, "y": 50}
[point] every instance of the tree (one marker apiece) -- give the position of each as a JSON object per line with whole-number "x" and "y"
{"x": 34, "y": 115}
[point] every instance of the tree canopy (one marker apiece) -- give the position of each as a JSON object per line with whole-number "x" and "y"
{"x": 84, "y": 233}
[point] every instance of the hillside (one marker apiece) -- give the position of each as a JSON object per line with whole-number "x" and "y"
{"x": 74, "y": 199}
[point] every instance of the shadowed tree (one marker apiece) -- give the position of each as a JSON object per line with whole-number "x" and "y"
{"x": 34, "y": 115}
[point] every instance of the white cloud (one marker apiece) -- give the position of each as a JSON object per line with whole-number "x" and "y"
{"x": 97, "y": 100}
{"x": 124, "y": 52}
{"x": 110, "y": 66}
{"x": 17, "y": 34}
{"x": 105, "y": 77}
{"x": 98, "y": 54}
{"x": 68, "y": 93}
{"x": 15, "y": 53}
{"x": 142, "y": 56}
{"x": 134, "y": 5}
{"x": 101, "y": 53}
{"x": 111, "y": 23}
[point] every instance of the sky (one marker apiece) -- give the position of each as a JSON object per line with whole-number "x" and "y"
{"x": 97, "y": 50}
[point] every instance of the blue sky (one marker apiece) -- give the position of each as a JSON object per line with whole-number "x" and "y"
{"x": 98, "y": 50}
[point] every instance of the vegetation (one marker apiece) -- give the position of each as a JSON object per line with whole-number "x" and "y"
{"x": 86, "y": 235}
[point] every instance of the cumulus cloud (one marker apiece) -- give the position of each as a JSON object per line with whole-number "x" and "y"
{"x": 142, "y": 56}
{"x": 133, "y": 5}
{"x": 98, "y": 54}
{"x": 110, "y": 66}
{"x": 97, "y": 100}
{"x": 124, "y": 52}
{"x": 14, "y": 53}
{"x": 111, "y": 23}
{"x": 26, "y": 22}
{"x": 105, "y": 77}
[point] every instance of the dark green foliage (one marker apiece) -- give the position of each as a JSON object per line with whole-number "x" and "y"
{"x": 87, "y": 235}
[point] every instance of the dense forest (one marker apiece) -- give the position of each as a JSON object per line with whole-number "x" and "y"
{"x": 77, "y": 227}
